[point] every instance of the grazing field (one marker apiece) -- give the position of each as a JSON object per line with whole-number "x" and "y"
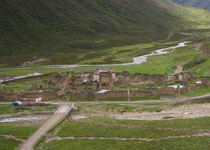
{"x": 172, "y": 144}
{"x": 103, "y": 109}
{"x": 7, "y": 144}
{"x": 155, "y": 64}
{"x": 30, "y": 109}
{"x": 13, "y": 134}
{"x": 198, "y": 92}
{"x": 112, "y": 134}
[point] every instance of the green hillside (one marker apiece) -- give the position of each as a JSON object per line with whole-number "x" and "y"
{"x": 195, "y": 3}
{"x": 63, "y": 30}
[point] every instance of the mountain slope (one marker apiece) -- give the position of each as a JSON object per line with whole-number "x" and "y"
{"x": 195, "y": 3}
{"x": 57, "y": 28}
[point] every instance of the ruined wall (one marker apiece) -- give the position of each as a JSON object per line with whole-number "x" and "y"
{"x": 206, "y": 51}
{"x": 122, "y": 94}
{"x": 9, "y": 96}
{"x": 185, "y": 77}
{"x": 134, "y": 94}
{"x": 206, "y": 82}
{"x": 157, "y": 78}
{"x": 45, "y": 95}
{"x": 141, "y": 93}
{"x": 17, "y": 96}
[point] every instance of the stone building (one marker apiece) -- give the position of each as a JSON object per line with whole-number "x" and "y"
{"x": 106, "y": 80}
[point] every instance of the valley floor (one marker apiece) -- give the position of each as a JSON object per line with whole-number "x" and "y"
{"x": 113, "y": 124}
{"x": 105, "y": 133}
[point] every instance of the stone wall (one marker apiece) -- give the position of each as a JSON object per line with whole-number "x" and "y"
{"x": 18, "y": 96}
{"x": 139, "y": 93}
{"x": 206, "y": 51}
{"x": 45, "y": 95}
{"x": 157, "y": 78}
{"x": 9, "y": 96}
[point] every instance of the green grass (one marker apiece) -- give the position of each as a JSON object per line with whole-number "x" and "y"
{"x": 52, "y": 30}
{"x": 8, "y": 144}
{"x": 9, "y": 109}
{"x": 81, "y": 130}
{"x": 198, "y": 92}
{"x": 79, "y": 34}
{"x": 202, "y": 143}
{"x": 202, "y": 69}
{"x": 120, "y": 108}
{"x": 17, "y": 129}
{"x": 25, "y": 85}
{"x": 20, "y": 130}
{"x": 155, "y": 65}
{"x": 78, "y": 130}
{"x": 197, "y": 123}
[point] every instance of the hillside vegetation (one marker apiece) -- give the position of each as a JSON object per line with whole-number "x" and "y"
{"x": 195, "y": 3}
{"x": 64, "y": 30}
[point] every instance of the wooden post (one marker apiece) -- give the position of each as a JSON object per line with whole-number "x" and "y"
{"x": 129, "y": 98}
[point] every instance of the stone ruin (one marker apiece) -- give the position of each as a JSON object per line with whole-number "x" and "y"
{"x": 81, "y": 86}
{"x": 73, "y": 85}
{"x": 206, "y": 82}
{"x": 185, "y": 77}
{"x": 156, "y": 78}
{"x": 206, "y": 51}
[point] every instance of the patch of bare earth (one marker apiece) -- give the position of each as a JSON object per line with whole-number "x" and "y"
{"x": 181, "y": 112}
{"x": 127, "y": 139}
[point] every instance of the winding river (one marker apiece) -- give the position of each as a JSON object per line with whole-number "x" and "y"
{"x": 136, "y": 60}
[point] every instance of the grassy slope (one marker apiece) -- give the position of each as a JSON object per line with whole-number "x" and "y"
{"x": 195, "y": 3}
{"x": 64, "y": 30}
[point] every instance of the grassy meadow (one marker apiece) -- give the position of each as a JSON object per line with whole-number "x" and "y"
{"x": 112, "y": 128}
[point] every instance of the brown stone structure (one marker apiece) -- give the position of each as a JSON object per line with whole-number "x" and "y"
{"x": 206, "y": 51}
{"x": 137, "y": 94}
{"x": 18, "y": 96}
{"x": 185, "y": 77}
{"x": 106, "y": 80}
{"x": 157, "y": 78}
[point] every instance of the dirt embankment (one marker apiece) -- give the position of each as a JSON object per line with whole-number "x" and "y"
{"x": 179, "y": 112}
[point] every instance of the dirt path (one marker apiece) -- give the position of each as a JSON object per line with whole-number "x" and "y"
{"x": 12, "y": 138}
{"x": 117, "y": 102}
{"x": 139, "y": 126}
{"x": 59, "y": 115}
{"x": 127, "y": 139}
{"x": 179, "y": 112}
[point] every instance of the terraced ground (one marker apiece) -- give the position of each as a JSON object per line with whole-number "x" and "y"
{"x": 112, "y": 134}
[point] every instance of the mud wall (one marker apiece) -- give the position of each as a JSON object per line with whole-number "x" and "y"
{"x": 135, "y": 94}
{"x": 17, "y": 96}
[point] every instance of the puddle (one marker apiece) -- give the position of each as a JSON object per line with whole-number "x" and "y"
{"x": 77, "y": 117}
{"x": 176, "y": 86}
{"x": 25, "y": 118}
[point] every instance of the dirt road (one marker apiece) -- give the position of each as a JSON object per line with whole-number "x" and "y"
{"x": 59, "y": 115}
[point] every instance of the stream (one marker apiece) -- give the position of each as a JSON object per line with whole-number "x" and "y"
{"x": 25, "y": 118}
{"x": 136, "y": 60}
{"x": 36, "y": 118}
